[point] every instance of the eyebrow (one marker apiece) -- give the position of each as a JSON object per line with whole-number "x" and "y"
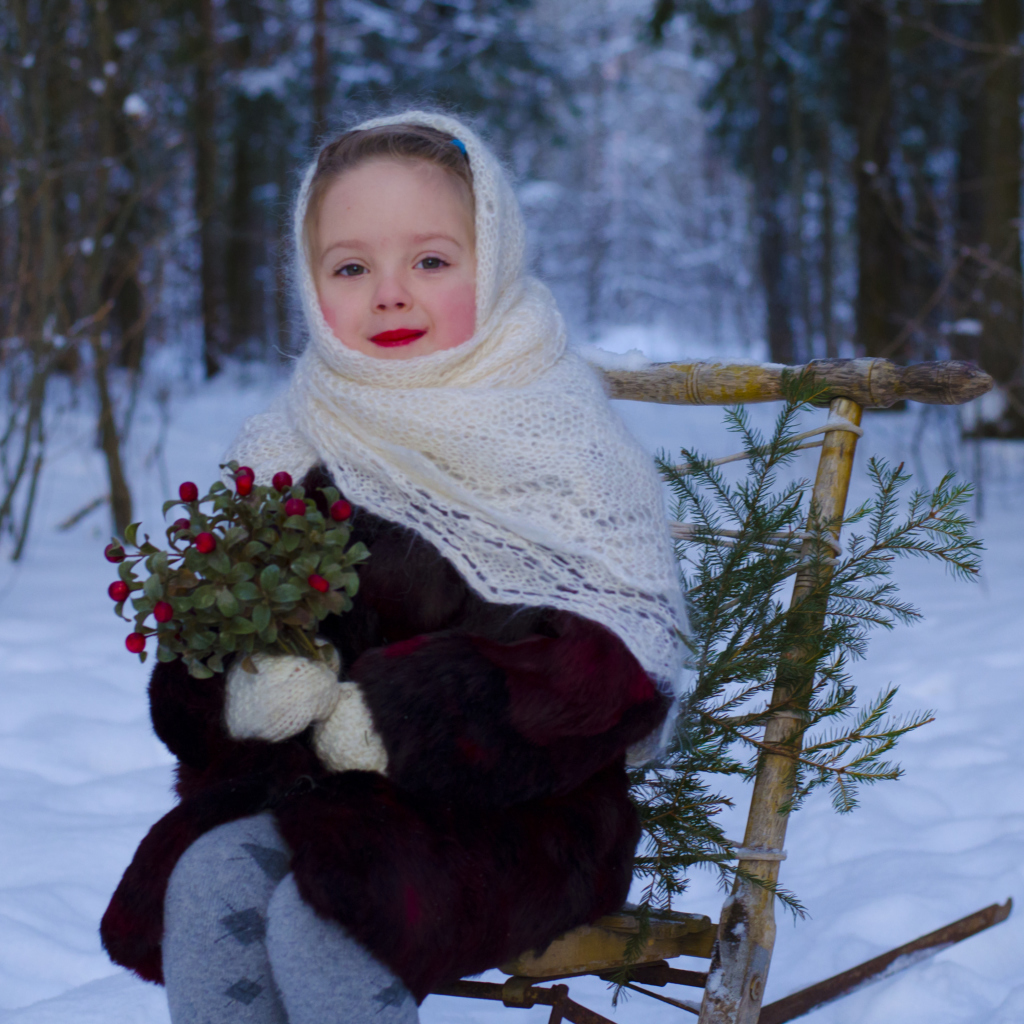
{"x": 354, "y": 243}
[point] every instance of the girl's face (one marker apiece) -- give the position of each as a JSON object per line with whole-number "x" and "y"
{"x": 394, "y": 259}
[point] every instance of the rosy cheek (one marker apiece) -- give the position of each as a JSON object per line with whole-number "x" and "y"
{"x": 460, "y": 314}
{"x": 329, "y": 314}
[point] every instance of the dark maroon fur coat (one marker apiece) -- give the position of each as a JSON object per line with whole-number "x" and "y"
{"x": 504, "y": 818}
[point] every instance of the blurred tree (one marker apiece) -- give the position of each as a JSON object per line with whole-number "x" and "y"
{"x": 211, "y": 255}
{"x": 924, "y": 97}
{"x": 881, "y": 260}
{"x": 478, "y": 57}
{"x": 776, "y": 98}
{"x": 989, "y": 208}
{"x": 83, "y": 174}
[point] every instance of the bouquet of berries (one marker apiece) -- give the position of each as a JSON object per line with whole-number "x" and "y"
{"x": 250, "y": 570}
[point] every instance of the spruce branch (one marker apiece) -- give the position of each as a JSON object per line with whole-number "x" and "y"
{"x": 741, "y": 548}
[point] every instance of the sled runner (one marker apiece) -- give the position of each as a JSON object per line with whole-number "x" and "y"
{"x": 740, "y": 945}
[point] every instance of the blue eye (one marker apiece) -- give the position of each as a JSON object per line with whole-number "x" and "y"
{"x": 432, "y": 263}
{"x": 350, "y": 270}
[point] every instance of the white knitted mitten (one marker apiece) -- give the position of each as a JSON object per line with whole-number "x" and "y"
{"x": 284, "y": 695}
{"x": 346, "y": 740}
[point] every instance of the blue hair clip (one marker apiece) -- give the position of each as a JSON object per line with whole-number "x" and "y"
{"x": 461, "y": 147}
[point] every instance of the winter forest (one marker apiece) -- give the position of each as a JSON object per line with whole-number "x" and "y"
{"x": 740, "y": 181}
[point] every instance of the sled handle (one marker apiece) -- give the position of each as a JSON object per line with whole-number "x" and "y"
{"x": 746, "y": 931}
{"x": 871, "y": 383}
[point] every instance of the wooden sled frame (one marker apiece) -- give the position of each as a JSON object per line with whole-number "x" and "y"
{"x": 740, "y": 945}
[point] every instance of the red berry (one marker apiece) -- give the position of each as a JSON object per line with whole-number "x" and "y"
{"x": 319, "y": 583}
{"x": 136, "y": 643}
{"x": 341, "y": 510}
{"x": 188, "y": 491}
{"x": 118, "y": 590}
{"x": 282, "y": 481}
{"x": 180, "y": 525}
{"x": 163, "y": 612}
{"x": 244, "y": 479}
{"x": 113, "y": 553}
{"x": 205, "y": 543}
{"x": 294, "y": 507}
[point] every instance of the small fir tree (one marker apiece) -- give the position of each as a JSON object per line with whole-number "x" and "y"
{"x": 740, "y": 548}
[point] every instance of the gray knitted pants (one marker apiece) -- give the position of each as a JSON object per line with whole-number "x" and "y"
{"x": 241, "y": 947}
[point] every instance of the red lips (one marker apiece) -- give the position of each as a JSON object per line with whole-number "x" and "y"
{"x": 403, "y": 336}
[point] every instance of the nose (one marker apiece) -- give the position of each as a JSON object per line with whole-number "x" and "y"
{"x": 391, "y": 294}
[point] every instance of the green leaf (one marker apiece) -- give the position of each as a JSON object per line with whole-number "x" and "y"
{"x": 296, "y": 523}
{"x": 226, "y": 603}
{"x": 269, "y": 635}
{"x": 304, "y": 566}
{"x": 291, "y": 541}
{"x": 240, "y": 571}
{"x": 261, "y": 617}
{"x": 359, "y": 552}
{"x": 165, "y": 654}
{"x": 241, "y": 625}
{"x": 199, "y": 671}
{"x": 131, "y": 532}
{"x": 220, "y": 562}
{"x": 268, "y": 535}
{"x": 246, "y": 591}
{"x": 234, "y": 535}
{"x": 195, "y": 562}
{"x": 286, "y": 593}
{"x": 270, "y": 577}
{"x": 168, "y": 505}
{"x": 253, "y": 550}
{"x": 205, "y": 596}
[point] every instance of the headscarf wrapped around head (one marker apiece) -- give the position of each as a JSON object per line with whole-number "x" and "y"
{"x": 502, "y": 452}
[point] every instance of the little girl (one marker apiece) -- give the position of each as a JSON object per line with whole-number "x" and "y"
{"x": 452, "y": 791}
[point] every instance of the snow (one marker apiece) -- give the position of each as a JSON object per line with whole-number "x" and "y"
{"x": 135, "y": 106}
{"x": 82, "y": 777}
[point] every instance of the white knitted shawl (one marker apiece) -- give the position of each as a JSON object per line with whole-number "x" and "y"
{"x": 502, "y": 452}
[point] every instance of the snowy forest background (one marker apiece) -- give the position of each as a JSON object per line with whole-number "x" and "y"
{"x": 726, "y": 179}
{"x": 771, "y": 178}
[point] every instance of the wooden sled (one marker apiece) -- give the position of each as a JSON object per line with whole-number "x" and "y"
{"x": 740, "y": 945}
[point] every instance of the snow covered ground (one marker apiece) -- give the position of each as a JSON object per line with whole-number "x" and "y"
{"x": 82, "y": 777}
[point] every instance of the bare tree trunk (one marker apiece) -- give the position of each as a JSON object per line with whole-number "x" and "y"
{"x": 797, "y": 189}
{"x": 828, "y": 244}
{"x": 1001, "y": 351}
{"x": 99, "y": 275}
{"x": 110, "y": 439}
{"x": 321, "y": 90}
{"x": 210, "y": 276}
{"x": 880, "y": 255}
{"x": 768, "y": 192}
{"x": 240, "y": 284}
